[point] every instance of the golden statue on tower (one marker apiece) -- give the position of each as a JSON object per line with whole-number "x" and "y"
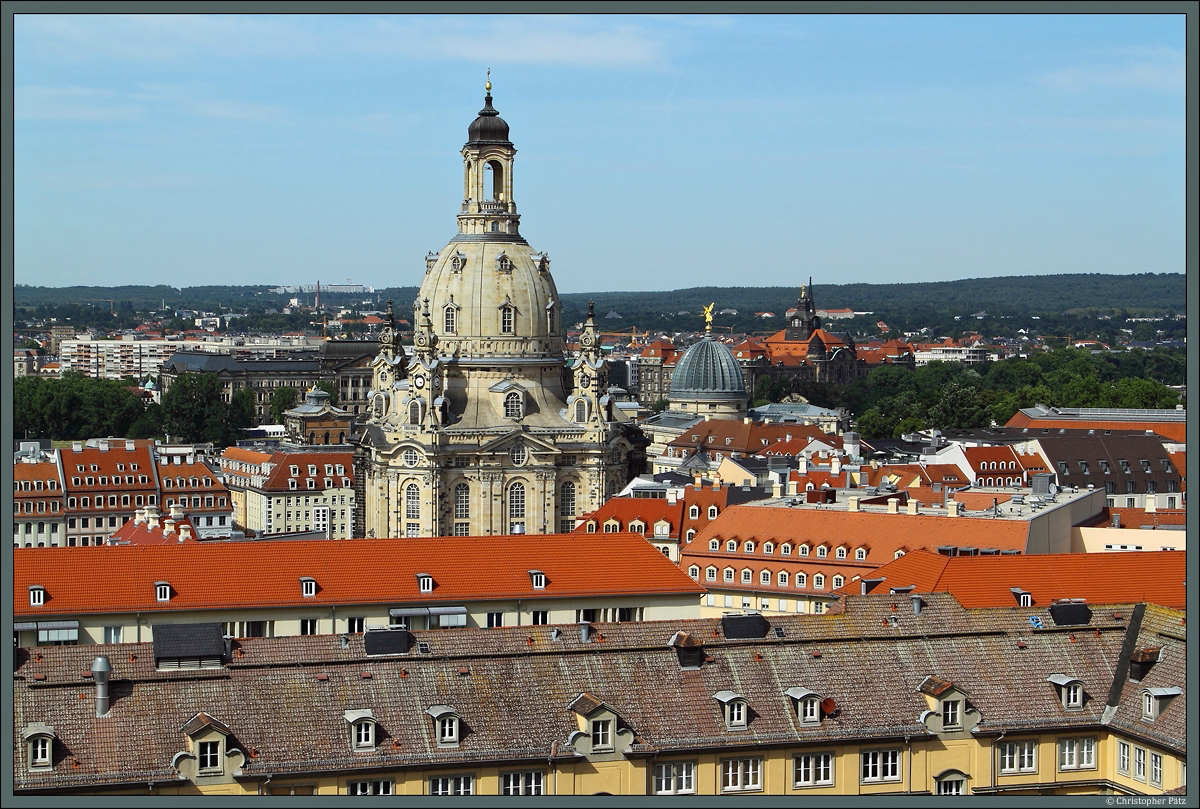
{"x": 708, "y": 316}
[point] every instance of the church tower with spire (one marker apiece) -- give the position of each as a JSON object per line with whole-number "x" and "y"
{"x": 483, "y": 429}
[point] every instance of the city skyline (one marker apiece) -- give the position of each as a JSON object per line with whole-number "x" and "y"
{"x": 290, "y": 149}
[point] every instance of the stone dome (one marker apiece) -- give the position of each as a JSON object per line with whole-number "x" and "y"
{"x": 707, "y": 371}
{"x": 489, "y": 127}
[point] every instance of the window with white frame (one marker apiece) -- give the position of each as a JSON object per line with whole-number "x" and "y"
{"x": 40, "y": 751}
{"x": 802, "y": 550}
{"x": 728, "y": 574}
{"x": 1018, "y": 756}
{"x": 462, "y": 501}
{"x": 210, "y": 756}
{"x": 880, "y": 765}
{"x": 741, "y": 775}
{"x": 364, "y": 734}
{"x": 308, "y": 588}
{"x": 308, "y": 626}
{"x": 822, "y": 552}
{"x": 1139, "y": 763}
{"x": 812, "y": 769}
{"x": 712, "y": 512}
{"x": 860, "y": 554}
{"x": 694, "y": 512}
{"x": 1156, "y": 761}
{"x": 425, "y": 583}
{"x": 1077, "y": 753}
{"x": 748, "y": 547}
{"x": 838, "y": 581}
{"x": 768, "y": 547}
{"x": 952, "y": 783}
{"x": 841, "y": 553}
{"x": 452, "y": 785}
{"x": 764, "y": 577}
{"x": 447, "y": 729}
{"x": 506, "y": 320}
{"x": 37, "y": 596}
{"x": 530, "y": 782}
{"x": 819, "y": 582}
{"x": 675, "y": 778}
{"x": 952, "y": 714}
{"x": 516, "y": 505}
{"x": 602, "y": 737}
{"x": 369, "y": 788}
{"x": 1123, "y": 757}
{"x": 808, "y": 710}
{"x": 747, "y": 576}
{"x": 694, "y": 571}
{"x": 412, "y": 502}
{"x": 1072, "y": 695}
{"x": 801, "y": 579}
{"x": 736, "y": 713}
{"x": 162, "y": 591}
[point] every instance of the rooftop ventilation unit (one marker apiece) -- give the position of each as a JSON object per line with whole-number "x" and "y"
{"x": 1070, "y": 612}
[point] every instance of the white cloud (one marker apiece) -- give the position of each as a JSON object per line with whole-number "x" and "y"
{"x": 1160, "y": 69}
{"x": 600, "y": 41}
{"x": 37, "y": 103}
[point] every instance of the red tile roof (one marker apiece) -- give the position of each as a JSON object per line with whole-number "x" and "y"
{"x": 353, "y": 571}
{"x": 1156, "y": 577}
{"x": 281, "y": 473}
{"x": 629, "y": 509}
{"x": 1171, "y": 430}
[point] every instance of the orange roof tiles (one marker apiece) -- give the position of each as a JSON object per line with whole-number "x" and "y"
{"x": 886, "y": 533}
{"x": 1171, "y": 430}
{"x": 626, "y": 510}
{"x": 218, "y": 575}
{"x": 1156, "y": 577}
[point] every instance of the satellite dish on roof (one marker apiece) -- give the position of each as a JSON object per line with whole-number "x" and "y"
{"x": 828, "y": 706}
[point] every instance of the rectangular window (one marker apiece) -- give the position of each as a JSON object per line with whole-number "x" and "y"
{"x": 675, "y": 778}
{"x": 1077, "y": 754}
{"x": 813, "y": 769}
{"x": 1018, "y": 757}
{"x": 1123, "y": 757}
{"x": 354, "y": 625}
{"x": 39, "y": 755}
{"x": 495, "y": 619}
{"x": 523, "y": 783}
{"x": 364, "y": 734}
{"x": 741, "y": 775}
{"x": 1156, "y": 769}
{"x": 369, "y": 788}
{"x": 880, "y": 765}
{"x": 210, "y": 756}
{"x": 112, "y": 634}
{"x": 1139, "y": 764}
{"x": 308, "y": 626}
{"x": 602, "y": 734}
{"x": 452, "y": 785}
{"x": 541, "y": 617}
{"x": 951, "y": 713}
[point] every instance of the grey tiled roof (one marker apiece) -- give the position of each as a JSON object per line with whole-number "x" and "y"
{"x": 284, "y": 699}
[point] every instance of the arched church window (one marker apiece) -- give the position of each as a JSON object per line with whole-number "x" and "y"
{"x": 412, "y": 502}
{"x": 581, "y": 410}
{"x": 503, "y": 262}
{"x": 550, "y": 321}
{"x": 566, "y": 499}
{"x": 506, "y": 320}
{"x": 326, "y": 436}
{"x": 462, "y": 502}
{"x": 312, "y": 438}
{"x": 512, "y": 405}
{"x": 414, "y": 411}
{"x": 516, "y": 508}
{"x": 377, "y": 406}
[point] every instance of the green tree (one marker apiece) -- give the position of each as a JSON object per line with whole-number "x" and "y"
{"x": 872, "y": 424}
{"x": 659, "y": 406}
{"x": 192, "y": 410}
{"x": 241, "y": 409}
{"x": 149, "y": 425}
{"x": 283, "y": 399}
{"x": 330, "y": 388}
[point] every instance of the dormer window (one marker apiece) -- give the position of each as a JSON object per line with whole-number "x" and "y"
{"x": 803, "y": 550}
{"x": 841, "y": 553}
{"x": 694, "y": 512}
{"x": 785, "y": 550}
{"x": 602, "y": 738}
{"x": 1155, "y": 699}
{"x": 37, "y": 595}
{"x": 748, "y": 547}
{"x": 731, "y": 545}
{"x": 710, "y": 574}
{"x": 445, "y": 725}
{"x": 538, "y": 579}
{"x": 362, "y": 729}
{"x": 162, "y": 591}
{"x": 425, "y": 583}
{"x": 308, "y": 587}
{"x": 1024, "y": 597}
{"x": 822, "y": 552}
{"x": 294, "y": 470}
{"x": 735, "y": 709}
{"x": 1070, "y": 691}
{"x": 860, "y": 554}
{"x": 768, "y": 547}
{"x": 39, "y": 739}
{"x": 712, "y": 512}
{"x": 810, "y": 710}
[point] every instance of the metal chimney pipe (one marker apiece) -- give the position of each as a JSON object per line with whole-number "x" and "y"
{"x": 101, "y": 671}
{"x": 916, "y": 603}
{"x": 585, "y": 632}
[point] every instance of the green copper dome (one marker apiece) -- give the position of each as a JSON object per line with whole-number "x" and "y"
{"x": 707, "y": 371}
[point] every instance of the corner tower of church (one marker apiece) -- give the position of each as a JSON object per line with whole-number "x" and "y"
{"x": 483, "y": 428}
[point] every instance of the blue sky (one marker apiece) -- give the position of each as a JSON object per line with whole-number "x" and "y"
{"x": 654, "y": 152}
